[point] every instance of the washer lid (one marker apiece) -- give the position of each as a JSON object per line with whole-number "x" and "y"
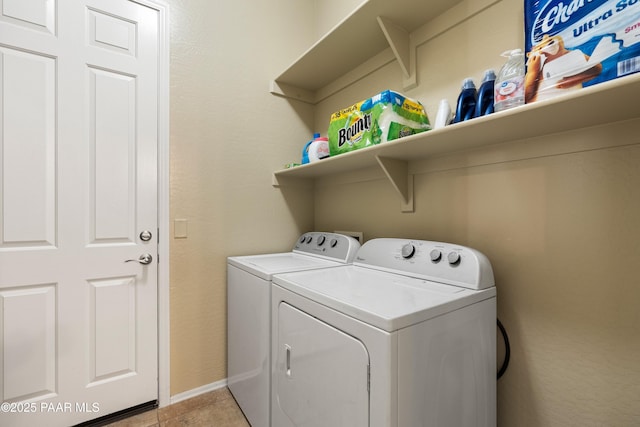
{"x": 265, "y": 266}
{"x": 386, "y": 300}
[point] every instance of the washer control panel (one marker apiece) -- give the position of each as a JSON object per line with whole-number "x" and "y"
{"x": 435, "y": 261}
{"x": 335, "y": 246}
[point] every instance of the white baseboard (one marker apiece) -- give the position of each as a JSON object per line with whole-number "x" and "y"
{"x": 198, "y": 391}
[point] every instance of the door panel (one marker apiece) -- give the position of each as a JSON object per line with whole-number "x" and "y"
{"x": 112, "y": 121}
{"x": 35, "y": 14}
{"x": 27, "y": 149}
{"x": 29, "y": 356}
{"x": 111, "y": 33}
{"x": 78, "y": 150}
{"x": 113, "y": 328}
{"x": 321, "y": 374}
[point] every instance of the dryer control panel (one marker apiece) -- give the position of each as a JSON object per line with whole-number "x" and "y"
{"x": 337, "y": 247}
{"x": 436, "y": 261}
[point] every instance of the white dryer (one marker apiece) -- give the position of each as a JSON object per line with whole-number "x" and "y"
{"x": 249, "y": 313}
{"x": 404, "y": 337}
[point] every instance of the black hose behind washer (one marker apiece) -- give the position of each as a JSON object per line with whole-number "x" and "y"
{"x": 507, "y": 351}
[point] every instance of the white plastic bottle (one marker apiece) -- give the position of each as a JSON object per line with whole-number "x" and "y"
{"x": 509, "y": 85}
{"x": 444, "y": 114}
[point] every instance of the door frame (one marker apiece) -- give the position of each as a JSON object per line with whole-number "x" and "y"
{"x": 164, "y": 349}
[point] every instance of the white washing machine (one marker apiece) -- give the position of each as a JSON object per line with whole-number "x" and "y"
{"x": 249, "y": 313}
{"x": 403, "y": 337}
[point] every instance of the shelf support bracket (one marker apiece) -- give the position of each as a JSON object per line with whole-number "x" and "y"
{"x": 288, "y": 91}
{"x": 397, "y": 173}
{"x": 279, "y": 181}
{"x": 400, "y": 42}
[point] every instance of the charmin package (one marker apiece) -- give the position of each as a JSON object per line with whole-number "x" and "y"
{"x": 384, "y": 117}
{"x": 572, "y": 44}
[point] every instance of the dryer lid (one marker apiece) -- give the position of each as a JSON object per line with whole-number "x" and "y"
{"x": 386, "y": 300}
{"x": 265, "y": 266}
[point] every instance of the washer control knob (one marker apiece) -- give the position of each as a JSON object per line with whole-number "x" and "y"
{"x": 408, "y": 251}
{"x": 453, "y": 258}
{"x": 435, "y": 255}
{"x": 302, "y": 239}
{"x": 333, "y": 242}
{"x": 321, "y": 240}
{"x": 309, "y": 239}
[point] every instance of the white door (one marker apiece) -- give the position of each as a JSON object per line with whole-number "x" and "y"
{"x": 320, "y": 377}
{"x": 78, "y": 186}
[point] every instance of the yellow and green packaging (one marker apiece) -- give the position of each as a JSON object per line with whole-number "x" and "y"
{"x": 381, "y": 118}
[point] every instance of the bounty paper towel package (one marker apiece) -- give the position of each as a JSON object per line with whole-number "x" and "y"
{"x": 384, "y": 117}
{"x": 572, "y": 44}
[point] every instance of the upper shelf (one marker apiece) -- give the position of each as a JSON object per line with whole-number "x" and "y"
{"x": 355, "y": 40}
{"x": 607, "y": 102}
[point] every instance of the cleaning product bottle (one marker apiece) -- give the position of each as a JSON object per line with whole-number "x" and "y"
{"x": 318, "y": 149}
{"x": 484, "y": 105}
{"x": 305, "y": 150}
{"x": 509, "y": 86}
{"x": 466, "y": 106}
{"x": 444, "y": 114}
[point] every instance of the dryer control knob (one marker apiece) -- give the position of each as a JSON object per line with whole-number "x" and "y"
{"x": 435, "y": 255}
{"x": 453, "y": 258}
{"x": 333, "y": 242}
{"x": 309, "y": 239}
{"x": 321, "y": 240}
{"x": 408, "y": 250}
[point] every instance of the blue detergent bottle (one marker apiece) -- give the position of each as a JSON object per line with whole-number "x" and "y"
{"x": 466, "y": 106}
{"x": 305, "y": 150}
{"x": 484, "y": 104}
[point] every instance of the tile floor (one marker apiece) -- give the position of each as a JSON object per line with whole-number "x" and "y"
{"x": 214, "y": 409}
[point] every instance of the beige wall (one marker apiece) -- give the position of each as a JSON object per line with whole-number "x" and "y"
{"x": 228, "y": 135}
{"x": 557, "y": 216}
